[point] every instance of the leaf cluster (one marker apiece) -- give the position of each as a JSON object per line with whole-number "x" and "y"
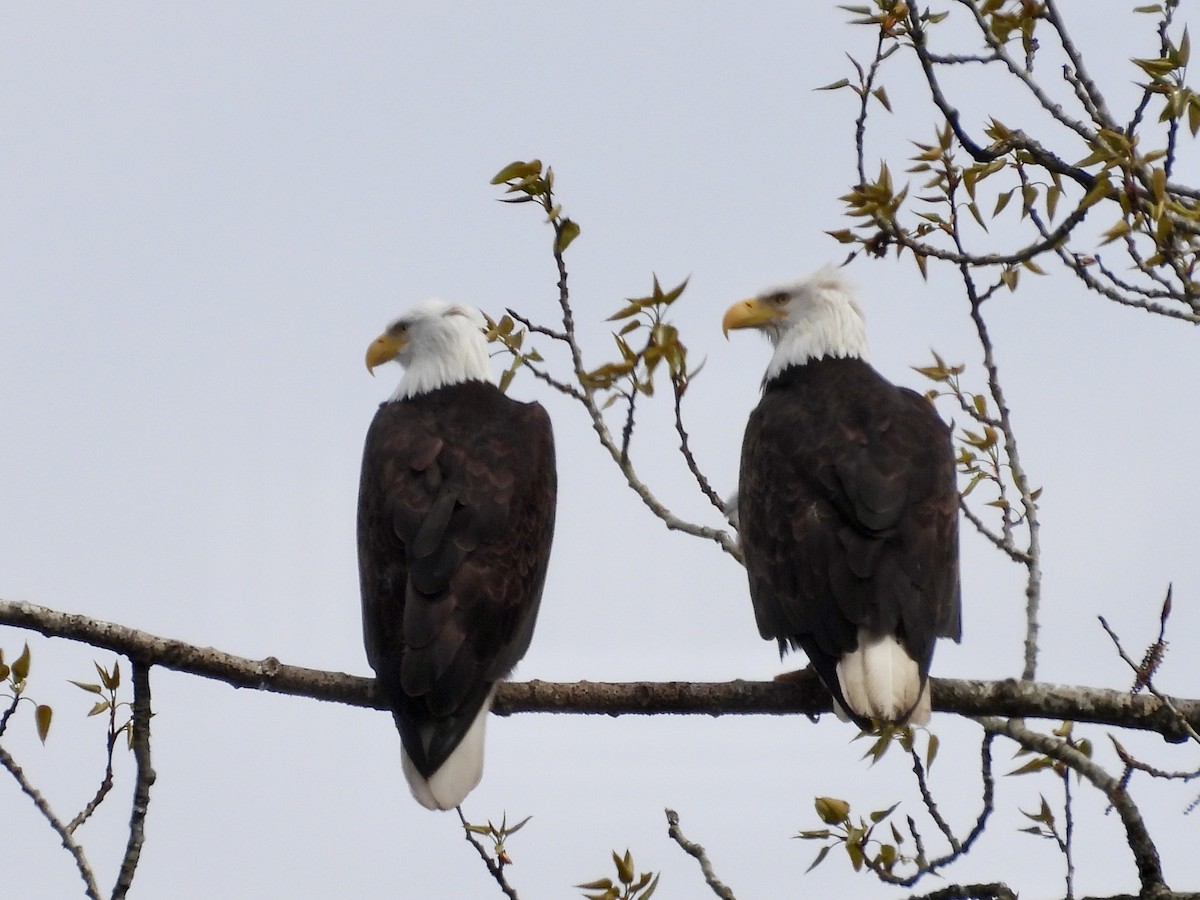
{"x": 1040, "y": 763}
{"x": 982, "y": 456}
{"x": 633, "y": 373}
{"x": 106, "y": 690}
{"x": 498, "y": 836}
{"x": 529, "y": 182}
{"x": 1124, "y": 169}
{"x": 628, "y": 886}
{"x": 505, "y": 332}
{"x": 14, "y": 677}
{"x": 858, "y": 838}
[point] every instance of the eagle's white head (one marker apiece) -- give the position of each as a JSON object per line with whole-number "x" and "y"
{"x": 437, "y": 343}
{"x": 807, "y": 319}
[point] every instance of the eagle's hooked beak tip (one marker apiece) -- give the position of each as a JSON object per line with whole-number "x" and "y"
{"x": 382, "y": 349}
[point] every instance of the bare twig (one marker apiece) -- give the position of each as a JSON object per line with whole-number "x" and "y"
{"x": 696, "y": 851}
{"x": 685, "y": 448}
{"x": 1032, "y": 552}
{"x": 68, "y": 842}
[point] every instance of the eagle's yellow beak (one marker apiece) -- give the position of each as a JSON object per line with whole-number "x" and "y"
{"x": 750, "y": 314}
{"x": 383, "y": 349}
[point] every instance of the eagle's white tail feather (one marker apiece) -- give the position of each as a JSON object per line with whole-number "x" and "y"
{"x": 881, "y": 681}
{"x": 458, "y": 775}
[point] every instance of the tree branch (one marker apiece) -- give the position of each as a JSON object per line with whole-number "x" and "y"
{"x": 140, "y": 739}
{"x": 803, "y": 694}
{"x": 68, "y": 842}
{"x": 691, "y": 848}
{"x": 1145, "y": 853}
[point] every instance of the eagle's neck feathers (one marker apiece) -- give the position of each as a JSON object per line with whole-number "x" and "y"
{"x": 830, "y": 324}
{"x": 453, "y": 353}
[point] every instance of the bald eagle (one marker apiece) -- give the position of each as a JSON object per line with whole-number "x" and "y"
{"x": 455, "y": 520}
{"x": 847, "y": 506}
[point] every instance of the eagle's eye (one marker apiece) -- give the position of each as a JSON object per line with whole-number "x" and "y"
{"x": 777, "y": 299}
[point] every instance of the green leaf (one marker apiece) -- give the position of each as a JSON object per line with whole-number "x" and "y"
{"x": 567, "y": 232}
{"x": 818, "y": 834}
{"x": 831, "y": 810}
{"x": 974, "y": 210}
{"x": 111, "y": 680}
{"x": 820, "y": 858}
{"x": 20, "y": 665}
{"x": 518, "y": 826}
{"x": 856, "y": 855}
{"x": 649, "y": 892}
{"x": 42, "y": 716}
{"x": 1035, "y": 765}
{"x": 881, "y": 814}
{"x": 881, "y": 95}
{"x": 90, "y": 688}
{"x": 931, "y": 751}
{"x": 518, "y": 169}
{"x": 101, "y": 706}
{"x": 624, "y": 867}
{"x": 600, "y": 884}
{"x": 836, "y": 85}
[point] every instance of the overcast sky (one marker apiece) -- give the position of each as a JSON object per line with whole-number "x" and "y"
{"x": 210, "y": 210}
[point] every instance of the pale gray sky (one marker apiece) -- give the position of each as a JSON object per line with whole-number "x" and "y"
{"x": 210, "y": 210}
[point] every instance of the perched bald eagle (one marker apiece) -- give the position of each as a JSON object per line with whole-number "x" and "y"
{"x": 847, "y": 506}
{"x": 455, "y": 519}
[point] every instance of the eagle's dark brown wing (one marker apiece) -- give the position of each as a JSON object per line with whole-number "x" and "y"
{"x": 455, "y": 520}
{"x": 848, "y": 514}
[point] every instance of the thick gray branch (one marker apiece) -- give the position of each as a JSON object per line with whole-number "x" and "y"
{"x": 140, "y": 726}
{"x": 802, "y": 694}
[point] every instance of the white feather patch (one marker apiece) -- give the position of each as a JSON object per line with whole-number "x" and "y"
{"x": 881, "y": 681}
{"x": 458, "y": 775}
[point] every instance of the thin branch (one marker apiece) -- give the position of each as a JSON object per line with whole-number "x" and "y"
{"x": 803, "y": 694}
{"x": 1033, "y": 582}
{"x": 496, "y": 869}
{"x": 7, "y": 714}
{"x": 1069, "y": 833}
{"x": 1017, "y": 556}
{"x": 958, "y": 848}
{"x": 930, "y": 804}
{"x": 1144, "y": 679}
{"x": 68, "y": 842}
{"x": 685, "y": 448}
{"x": 140, "y": 737}
{"x": 695, "y": 850}
{"x": 106, "y": 783}
{"x": 1092, "y": 98}
{"x": 588, "y": 399}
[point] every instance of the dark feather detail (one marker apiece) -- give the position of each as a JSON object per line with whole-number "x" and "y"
{"x": 455, "y": 521}
{"x": 848, "y": 512}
